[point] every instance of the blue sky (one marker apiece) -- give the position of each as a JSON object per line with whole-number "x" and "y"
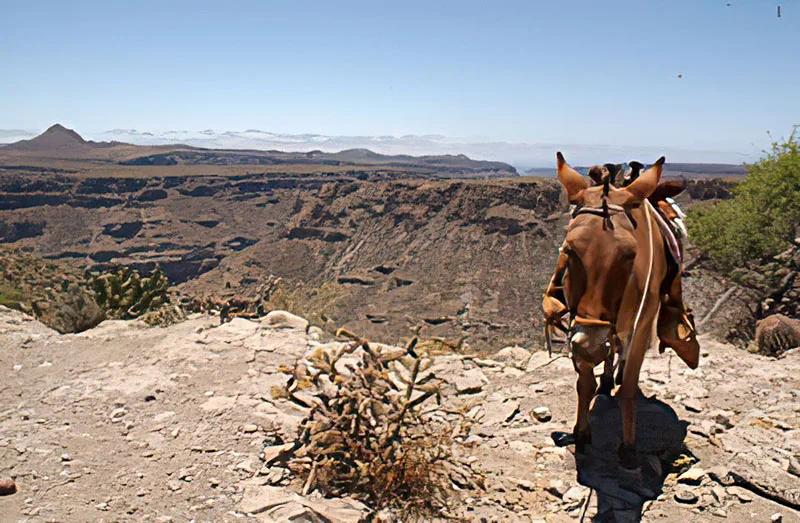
{"x": 572, "y": 72}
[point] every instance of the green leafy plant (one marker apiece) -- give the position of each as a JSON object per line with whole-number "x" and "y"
{"x": 760, "y": 220}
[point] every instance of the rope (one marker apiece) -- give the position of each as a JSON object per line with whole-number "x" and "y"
{"x": 586, "y": 505}
{"x": 647, "y": 206}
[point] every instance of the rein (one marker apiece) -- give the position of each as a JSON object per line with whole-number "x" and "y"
{"x": 647, "y": 206}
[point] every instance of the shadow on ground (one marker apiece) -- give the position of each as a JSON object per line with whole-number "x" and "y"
{"x": 621, "y": 493}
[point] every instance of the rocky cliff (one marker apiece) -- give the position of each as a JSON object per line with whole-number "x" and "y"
{"x": 456, "y": 259}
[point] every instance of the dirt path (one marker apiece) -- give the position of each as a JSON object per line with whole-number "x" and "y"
{"x": 129, "y": 423}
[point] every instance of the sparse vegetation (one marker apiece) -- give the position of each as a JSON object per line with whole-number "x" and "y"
{"x": 760, "y": 220}
{"x": 372, "y": 432}
{"x": 56, "y": 294}
{"x": 10, "y": 297}
{"x": 125, "y": 294}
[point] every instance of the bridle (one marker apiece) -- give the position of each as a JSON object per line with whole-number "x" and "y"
{"x": 613, "y": 341}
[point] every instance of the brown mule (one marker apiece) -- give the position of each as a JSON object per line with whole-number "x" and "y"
{"x": 608, "y": 287}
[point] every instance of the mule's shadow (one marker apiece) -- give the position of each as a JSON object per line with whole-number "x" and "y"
{"x": 621, "y": 493}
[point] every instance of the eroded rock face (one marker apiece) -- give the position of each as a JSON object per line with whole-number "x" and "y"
{"x": 464, "y": 260}
{"x": 776, "y": 334}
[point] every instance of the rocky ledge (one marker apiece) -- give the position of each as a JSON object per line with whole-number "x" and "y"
{"x": 130, "y": 423}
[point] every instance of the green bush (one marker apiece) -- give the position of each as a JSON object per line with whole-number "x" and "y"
{"x": 10, "y": 297}
{"x": 760, "y": 220}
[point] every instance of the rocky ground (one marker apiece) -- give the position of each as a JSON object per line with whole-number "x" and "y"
{"x": 126, "y": 422}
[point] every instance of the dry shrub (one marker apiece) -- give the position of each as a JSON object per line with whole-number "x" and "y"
{"x": 374, "y": 431}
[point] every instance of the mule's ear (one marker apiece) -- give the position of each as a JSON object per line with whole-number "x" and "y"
{"x": 570, "y": 179}
{"x": 647, "y": 182}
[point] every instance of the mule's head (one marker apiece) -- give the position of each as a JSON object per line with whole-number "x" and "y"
{"x": 601, "y": 246}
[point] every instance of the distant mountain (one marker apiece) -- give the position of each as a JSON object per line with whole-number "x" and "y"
{"x": 524, "y": 156}
{"x": 520, "y": 155}
{"x": 58, "y": 142}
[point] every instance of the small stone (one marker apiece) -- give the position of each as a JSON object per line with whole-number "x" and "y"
{"x": 720, "y": 513}
{"x": 315, "y": 333}
{"x": 574, "y": 494}
{"x": 213, "y": 482}
{"x": 142, "y": 492}
{"x": 542, "y": 414}
{"x": 246, "y": 465}
{"x": 150, "y": 397}
{"x": 718, "y": 493}
{"x": 274, "y": 475}
{"x": 524, "y": 484}
{"x": 794, "y": 466}
{"x": 250, "y": 428}
{"x": 743, "y": 497}
{"x": 693, "y": 476}
{"x": 470, "y": 382}
{"x": 693, "y": 405}
{"x": 7, "y": 487}
{"x": 174, "y": 485}
{"x": 66, "y": 457}
{"x": 274, "y": 452}
{"x": 723, "y": 417}
{"x": 686, "y": 496}
{"x": 557, "y": 488}
{"x": 776, "y": 517}
{"x": 116, "y": 414}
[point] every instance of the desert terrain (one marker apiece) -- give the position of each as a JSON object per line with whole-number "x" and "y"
{"x": 119, "y": 420}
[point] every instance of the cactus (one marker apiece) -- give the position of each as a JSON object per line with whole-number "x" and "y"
{"x": 125, "y": 294}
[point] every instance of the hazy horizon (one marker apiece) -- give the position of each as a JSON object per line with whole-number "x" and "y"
{"x": 521, "y": 155}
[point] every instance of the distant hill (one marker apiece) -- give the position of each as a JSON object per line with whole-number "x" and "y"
{"x": 58, "y": 142}
{"x": 57, "y": 137}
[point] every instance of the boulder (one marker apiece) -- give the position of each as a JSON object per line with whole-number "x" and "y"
{"x": 513, "y": 356}
{"x": 284, "y": 320}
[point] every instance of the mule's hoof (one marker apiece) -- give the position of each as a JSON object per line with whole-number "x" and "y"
{"x": 563, "y": 439}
